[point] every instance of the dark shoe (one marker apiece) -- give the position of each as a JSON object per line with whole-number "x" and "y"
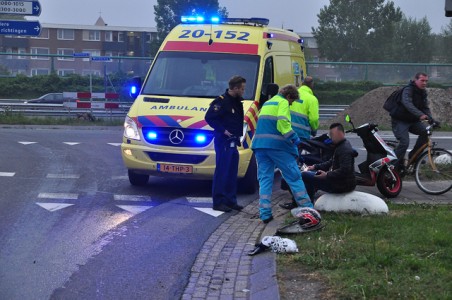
{"x": 288, "y": 205}
{"x": 222, "y": 208}
{"x": 259, "y": 249}
{"x": 266, "y": 221}
{"x": 236, "y": 207}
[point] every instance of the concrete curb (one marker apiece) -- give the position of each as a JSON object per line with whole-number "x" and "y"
{"x": 223, "y": 270}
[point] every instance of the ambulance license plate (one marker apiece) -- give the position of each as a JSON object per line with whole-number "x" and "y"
{"x": 167, "y": 168}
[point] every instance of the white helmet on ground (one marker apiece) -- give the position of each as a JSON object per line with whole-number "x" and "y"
{"x": 307, "y": 217}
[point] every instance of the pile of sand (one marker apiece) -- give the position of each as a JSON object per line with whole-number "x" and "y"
{"x": 369, "y": 108}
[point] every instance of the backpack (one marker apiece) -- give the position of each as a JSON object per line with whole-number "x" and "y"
{"x": 393, "y": 100}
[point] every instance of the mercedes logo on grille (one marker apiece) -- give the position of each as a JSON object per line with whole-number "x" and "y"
{"x": 176, "y": 136}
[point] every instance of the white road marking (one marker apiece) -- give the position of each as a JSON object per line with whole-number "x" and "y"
{"x": 119, "y": 177}
{"x": 70, "y": 143}
{"x": 53, "y": 206}
{"x": 27, "y": 143}
{"x": 63, "y": 176}
{"x": 209, "y": 211}
{"x": 7, "y": 174}
{"x": 131, "y": 198}
{"x": 115, "y": 144}
{"x": 134, "y": 209}
{"x": 200, "y": 199}
{"x": 58, "y": 196}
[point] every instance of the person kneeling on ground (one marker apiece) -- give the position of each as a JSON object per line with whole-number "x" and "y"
{"x": 336, "y": 175}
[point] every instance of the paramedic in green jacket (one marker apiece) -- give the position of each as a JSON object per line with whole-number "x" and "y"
{"x": 305, "y": 111}
{"x": 305, "y": 121}
{"x": 275, "y": 145}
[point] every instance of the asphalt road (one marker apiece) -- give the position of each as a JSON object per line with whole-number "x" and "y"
{"x": 72, "y": 226}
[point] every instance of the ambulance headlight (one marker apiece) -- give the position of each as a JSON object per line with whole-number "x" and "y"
{"x": 131, "y": 129}
{"x": 200, "y": 138}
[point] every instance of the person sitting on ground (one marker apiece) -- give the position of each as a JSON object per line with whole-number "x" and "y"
{"x": 336, "y": 175}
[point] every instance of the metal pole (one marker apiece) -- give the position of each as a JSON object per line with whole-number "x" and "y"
{"x": 90, "y": 85}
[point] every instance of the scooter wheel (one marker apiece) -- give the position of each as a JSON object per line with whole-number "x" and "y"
{"x": 389, "y": 187}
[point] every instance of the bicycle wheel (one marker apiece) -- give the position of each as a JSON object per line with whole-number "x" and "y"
{"x": 434, "y": 177}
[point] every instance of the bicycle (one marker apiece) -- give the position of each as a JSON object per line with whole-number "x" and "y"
{"x": 431, "y": 166}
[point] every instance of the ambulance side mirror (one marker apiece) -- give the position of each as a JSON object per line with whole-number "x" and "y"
{"x": 268, "y": 91}
{"x": 271, "y": 90}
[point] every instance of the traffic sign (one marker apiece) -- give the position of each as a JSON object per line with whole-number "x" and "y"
{"x": 32, "y": 28}
{"x": 101, "y": 58}
{"x": 28, "y": 8}
{"x": 81, "y": 54}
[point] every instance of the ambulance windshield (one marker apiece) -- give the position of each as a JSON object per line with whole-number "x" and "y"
{"x": 200, "y": 74}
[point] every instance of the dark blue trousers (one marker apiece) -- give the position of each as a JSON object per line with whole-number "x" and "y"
{"x": 313, "y": 183}
{"x": 224, "y": 188}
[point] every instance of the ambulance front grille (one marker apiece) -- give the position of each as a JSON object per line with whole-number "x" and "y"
{"x": 176, "y": 158}
{"x": 177, "y": 137}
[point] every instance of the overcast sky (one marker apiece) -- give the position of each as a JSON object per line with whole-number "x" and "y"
{"x": 299, "y": 15}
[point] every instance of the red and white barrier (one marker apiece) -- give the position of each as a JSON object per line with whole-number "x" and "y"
{"x": 96, "y": 105}
{"x": 88, "y": 95}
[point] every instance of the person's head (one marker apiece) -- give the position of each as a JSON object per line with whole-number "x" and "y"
{"x": 237, "y": 86}
{"x": 309, "y": 81}
{"x": 421, "y": 79}
{"x": 337, "y": 132}
{"x": 290, "y": 92}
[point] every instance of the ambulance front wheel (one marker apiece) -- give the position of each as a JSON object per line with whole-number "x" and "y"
{"x": 248, "y": 184}
{"x": 138, "y": 179}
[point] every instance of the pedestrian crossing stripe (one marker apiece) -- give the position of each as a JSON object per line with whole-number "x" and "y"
{"x": 53, "y": 206}
{"x": 63, "y": 176}
{"x": 7, "y": 174}
{"x": 70, "y": 143}
{"x": 134, "y": 209}
{"x": 27, "y": 143}
{"x": 209, "y": 211}
{"x": 131, "y": 198}
{"x": 58, "y": 196}
{"x": 200, "y": 199}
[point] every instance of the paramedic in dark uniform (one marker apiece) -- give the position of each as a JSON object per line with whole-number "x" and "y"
{"x": 225, "y": 116}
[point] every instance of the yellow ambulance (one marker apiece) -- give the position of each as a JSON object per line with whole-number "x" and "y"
{"x": 165, "y": 132}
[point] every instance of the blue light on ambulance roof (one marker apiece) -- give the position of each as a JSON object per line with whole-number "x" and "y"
{"x": 192, "y": 19}
{"x": 200, "y": 138}
{"x": 152, "y": 135}
{"x": 215, "y": 20}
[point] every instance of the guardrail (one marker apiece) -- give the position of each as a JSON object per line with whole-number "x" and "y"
{"x": 59, "y": 110}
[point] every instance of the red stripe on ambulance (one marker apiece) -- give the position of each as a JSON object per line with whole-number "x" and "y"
{"x": 215, "y": 47}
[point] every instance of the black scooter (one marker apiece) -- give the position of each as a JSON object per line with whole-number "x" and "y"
{"x": 378, "y": 168}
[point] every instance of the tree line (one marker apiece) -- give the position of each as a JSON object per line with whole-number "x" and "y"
{"x": 349, "y": 30}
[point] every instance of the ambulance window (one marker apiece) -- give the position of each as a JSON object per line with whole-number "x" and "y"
{"x": 193, "y": 74}
{"x": 267, "y": 78}
{"x": 268, "y": 71}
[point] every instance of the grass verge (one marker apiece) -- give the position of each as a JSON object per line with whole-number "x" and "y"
{"x": 406, "y": 254}
{"x": 18, "y": 119}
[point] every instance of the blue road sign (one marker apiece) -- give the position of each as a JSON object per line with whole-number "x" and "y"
{"x": 32, "y": 28}
{"x": 27, "y": 8}
{"x": 81, "y": 54}
{"x": 101, "y": 58}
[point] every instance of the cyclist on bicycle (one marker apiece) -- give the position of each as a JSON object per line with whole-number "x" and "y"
{"x": 411, "y": 111}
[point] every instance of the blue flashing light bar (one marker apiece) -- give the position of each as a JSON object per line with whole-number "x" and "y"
{"x": 217, "y": 20}
{"x": 152, "y": 135}
{"x": 200, "y": 138}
